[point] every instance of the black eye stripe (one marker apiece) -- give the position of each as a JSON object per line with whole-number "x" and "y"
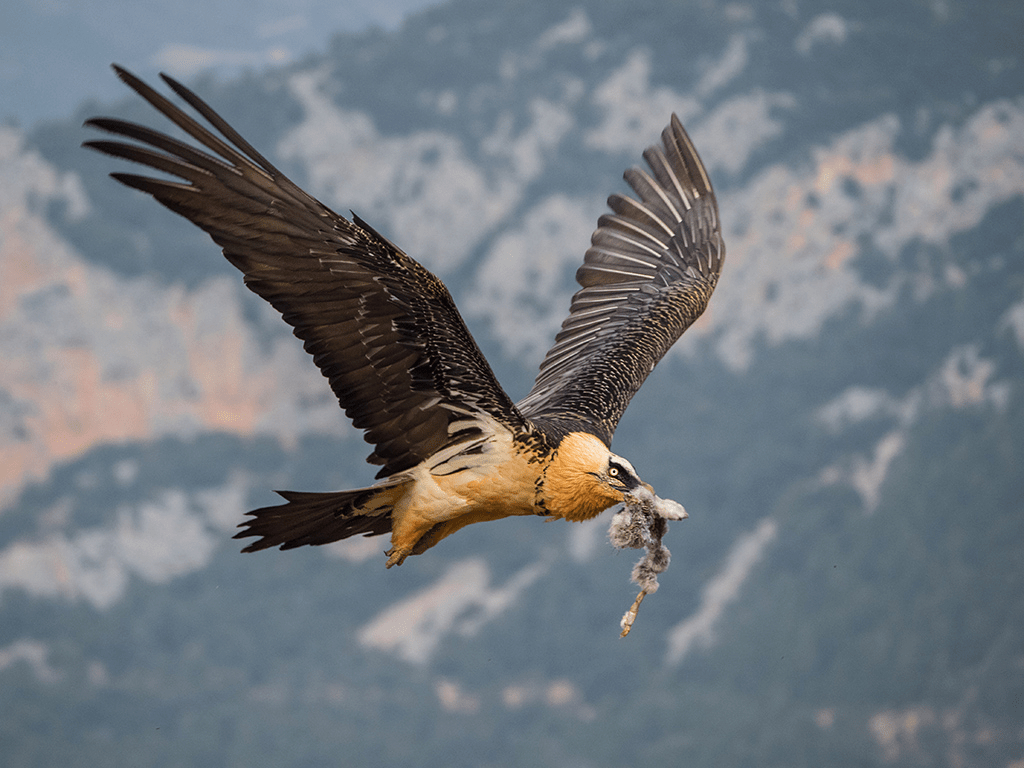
{"x": 624, "y": 475}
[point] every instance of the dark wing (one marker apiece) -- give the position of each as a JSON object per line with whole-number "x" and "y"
{"x": 647, "y": 277}
{"x": 382, "y": 329}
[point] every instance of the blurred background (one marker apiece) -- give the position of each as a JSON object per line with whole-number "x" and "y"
{"x": 845, "y": 425}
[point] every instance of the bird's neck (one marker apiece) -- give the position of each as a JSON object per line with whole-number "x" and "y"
{"x": 569, "y": 488}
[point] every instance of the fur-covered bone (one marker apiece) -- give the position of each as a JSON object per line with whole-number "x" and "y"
{"x": 642, "y": 522}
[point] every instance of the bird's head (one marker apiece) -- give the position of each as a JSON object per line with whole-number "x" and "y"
{"x": 585, "y": 478}
{"x": 618, "y": 475}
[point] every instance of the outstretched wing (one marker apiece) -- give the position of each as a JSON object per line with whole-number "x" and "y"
{"x": 646, "y": 278}
{"x": 382, "y": 329}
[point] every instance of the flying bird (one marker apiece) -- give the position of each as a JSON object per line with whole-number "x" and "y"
{"x": 452, "y": 446}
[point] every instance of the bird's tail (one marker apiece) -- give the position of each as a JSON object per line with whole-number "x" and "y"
{"x": 320, "y": 518}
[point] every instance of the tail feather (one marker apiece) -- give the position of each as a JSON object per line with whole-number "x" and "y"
{"x": 320, "y": 518}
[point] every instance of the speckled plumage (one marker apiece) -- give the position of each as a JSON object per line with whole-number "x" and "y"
{"x": 452, "y": 447}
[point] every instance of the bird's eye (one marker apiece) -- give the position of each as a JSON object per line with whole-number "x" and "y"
{"x": 614, "y": 471}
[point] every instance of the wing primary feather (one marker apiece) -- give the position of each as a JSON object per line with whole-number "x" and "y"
{"x": 152, "y": 186}
{"x": 611, "y": 294}
{"x": 179, "y": 118}
{"x": 611, "y": 239}
{"x": 666, "y": 176}
{"x": 675, "y": 137}
{"x": 219, "y": 123}
{"x": 190, "y": 155}
{"x": 149, "y": 157}
{"x": 628, "y": 207}
{"x": 638, "y": 229}
{"x": 649, "y": 191}
{"x": 608, "y": 270}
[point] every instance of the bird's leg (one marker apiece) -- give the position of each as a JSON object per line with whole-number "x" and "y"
{"x": 409, "y": 527}
{"x": 407, "y": 534}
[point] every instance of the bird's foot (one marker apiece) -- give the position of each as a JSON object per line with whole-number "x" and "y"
{"x": 396, "y": 556}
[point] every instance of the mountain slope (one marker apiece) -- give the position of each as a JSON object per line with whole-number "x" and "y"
{"x": 844, "y": 426}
